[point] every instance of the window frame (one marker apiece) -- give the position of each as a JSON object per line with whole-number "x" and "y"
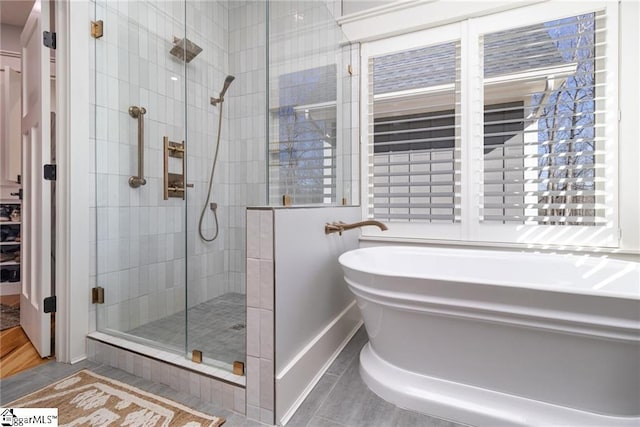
{"x": 471, "y": 229}
{"x": 436, "y": 36}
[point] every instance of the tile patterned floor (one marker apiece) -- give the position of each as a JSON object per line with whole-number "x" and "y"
{"x": 340, "y": 399}
{"x": 215, "y": 327}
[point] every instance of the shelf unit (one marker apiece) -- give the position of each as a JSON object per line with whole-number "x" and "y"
{"x": 9, "y": 287}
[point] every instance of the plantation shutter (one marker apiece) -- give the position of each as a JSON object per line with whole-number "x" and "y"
{"x": 543, "y": 160}
{"x": 414, "y": 135}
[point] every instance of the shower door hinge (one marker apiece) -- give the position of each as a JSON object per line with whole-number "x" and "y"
{"x": 49, "y": 172}
{"x": 238, "y": 368}
{"x": 96, "y": 29}
{"x": 49, "y": 304}
{"x": 49, "y": 39}
{"x": 97, "y": 295}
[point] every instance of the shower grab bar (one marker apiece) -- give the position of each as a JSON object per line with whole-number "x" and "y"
{"x": 138, "y": 113}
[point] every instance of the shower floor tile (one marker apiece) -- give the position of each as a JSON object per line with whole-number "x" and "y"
{"x": 215, "y": 327}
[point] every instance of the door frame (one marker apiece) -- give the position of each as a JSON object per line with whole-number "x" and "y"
{"x": 73, "y": 184}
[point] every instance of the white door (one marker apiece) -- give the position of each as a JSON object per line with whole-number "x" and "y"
{"x": 36, "y": 203}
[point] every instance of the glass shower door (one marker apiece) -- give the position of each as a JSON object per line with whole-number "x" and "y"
{"x": 217, "y": 169}
{"x": 140, "y": 237}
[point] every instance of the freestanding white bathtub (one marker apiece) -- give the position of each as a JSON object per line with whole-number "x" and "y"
{"x": 500, "y": 338}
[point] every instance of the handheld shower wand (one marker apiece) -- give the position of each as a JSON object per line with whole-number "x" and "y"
{"x": 214, "y": 206}
{"x": 220, "y": 98}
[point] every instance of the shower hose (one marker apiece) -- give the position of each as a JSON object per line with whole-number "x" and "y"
{"x": 206, "y": 203}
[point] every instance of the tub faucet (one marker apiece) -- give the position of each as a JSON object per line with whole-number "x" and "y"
{"x": 339, "y": 226}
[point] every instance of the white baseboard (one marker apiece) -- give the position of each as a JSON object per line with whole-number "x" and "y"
{"x": 296, "y": 380}
{"x": 78, "y": 359}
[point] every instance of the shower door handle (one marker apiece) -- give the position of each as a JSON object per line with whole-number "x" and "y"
{"x": 138, "y": 113}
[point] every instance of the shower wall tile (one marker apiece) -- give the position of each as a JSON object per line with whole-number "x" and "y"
{"x": 260, "y": 317}
{"x": 253, "y": 381}
{"x": 266, "y": 235}
{"x": 200, "y": 385}
{"x": 253, "y": 330}
{"x": 266, "y": 284}
{"x": 228, "y": 397}
{"x": 254, "y": 276}
{"x": 253, "y": 412}
{"x": 266, "y": 334}
{"x": 140, "y": 237}
{"x": 253, "y": 234}
{"x": 266, "y": 384}
{"x": 267, "y": 416}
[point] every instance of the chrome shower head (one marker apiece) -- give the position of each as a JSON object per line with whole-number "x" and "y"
{"x": 220, "y": 98}
{"x": 184, "y": 49}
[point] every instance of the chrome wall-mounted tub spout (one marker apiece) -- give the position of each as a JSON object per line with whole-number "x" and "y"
{"x": 339, "y": 227}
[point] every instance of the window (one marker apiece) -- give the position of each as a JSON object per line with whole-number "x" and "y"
{"x": 545, "y": 172}
{"x": 416, "y": 138}
{"x": 302, "y": 161}
{"x": 482, "y": 131}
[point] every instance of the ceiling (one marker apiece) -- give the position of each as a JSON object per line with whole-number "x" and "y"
{"x": 15, "y": 12}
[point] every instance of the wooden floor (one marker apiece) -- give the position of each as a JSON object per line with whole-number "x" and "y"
{"x": 17, "y": 354}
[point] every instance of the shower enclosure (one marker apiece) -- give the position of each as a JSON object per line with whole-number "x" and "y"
{"x": 282, "y": 131}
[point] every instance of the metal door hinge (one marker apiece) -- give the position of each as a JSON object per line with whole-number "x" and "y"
{"x": 350, "y": 69}
{"x": 238, "y": 368}
{"x": 49, "y": 39}
{"x": 97, "y": 295}
{"x": 196, "y": 356}
{"x": 18, "y": 194}
{"x": 96, "y": 29}
{"x": 49, "y": 172}
{"x": 50, "y": 304}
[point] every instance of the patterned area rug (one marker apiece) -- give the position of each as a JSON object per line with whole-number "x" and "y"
{"x": 86, "y": 398}
{"x": 9, "y": 317}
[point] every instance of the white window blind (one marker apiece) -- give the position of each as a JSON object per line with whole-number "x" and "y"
{"x": 502, "y": 128}
{"x": 543, "y": 160}
{"x": 414, "y": 99}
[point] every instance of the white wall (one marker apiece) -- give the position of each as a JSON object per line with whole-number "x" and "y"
{"x": 315, "y": 313}
{"x": 310, "y": 290}
{"x": 629, "y": 153}
{"x": 10, "y": 37}
{"x": 354, "y": 6}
